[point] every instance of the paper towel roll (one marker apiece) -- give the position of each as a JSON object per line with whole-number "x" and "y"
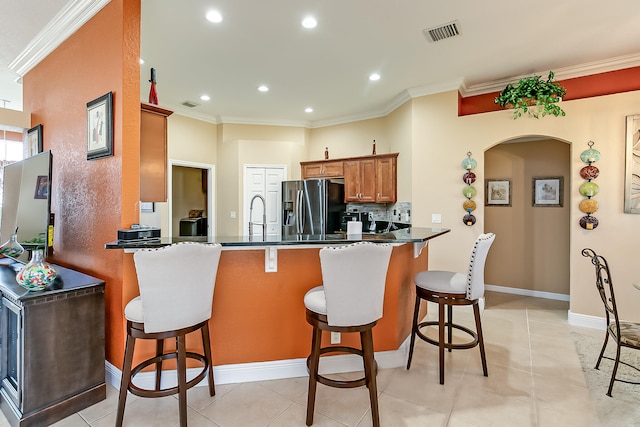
{"x": 354, "y": 228}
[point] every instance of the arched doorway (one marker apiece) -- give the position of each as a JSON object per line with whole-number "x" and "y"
{"x": 531, "y": 254}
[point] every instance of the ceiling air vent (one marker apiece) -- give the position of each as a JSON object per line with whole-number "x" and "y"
{"x": 189, "y": 104}
{"x": 446, "y": 31}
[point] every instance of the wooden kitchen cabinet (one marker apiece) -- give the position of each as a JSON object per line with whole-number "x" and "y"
{"x": 367, "y": 179}
{"x": 387, "y": 179}
{"x": 153, "y": 153}
{"x": 322, "y": 169}
{"x": 360, "y": 180}
{"x": 371, "y": 179}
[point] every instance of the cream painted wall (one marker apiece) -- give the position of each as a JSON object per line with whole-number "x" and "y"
{"x": 399, "y": 127}
{"x": 349, "y": 140}
{"x": 192, "y": 140}
{"x": 534, "y": 239}
{"x": 441, "y": 140}
{"x": 253, "y": 144}
{"x": 14, "y": 120}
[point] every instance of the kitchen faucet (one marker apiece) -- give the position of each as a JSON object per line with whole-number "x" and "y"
{"x": 264, "y": 217}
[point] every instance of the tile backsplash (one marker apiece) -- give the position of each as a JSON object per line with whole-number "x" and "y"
{"x": 397, "y": 212}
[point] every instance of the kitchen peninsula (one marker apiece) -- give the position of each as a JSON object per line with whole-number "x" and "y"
{"x": 258, "y": 311}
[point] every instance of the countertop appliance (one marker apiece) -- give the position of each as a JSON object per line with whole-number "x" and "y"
{"x": 364, "y": 217}
{"x": 311, "y": 206}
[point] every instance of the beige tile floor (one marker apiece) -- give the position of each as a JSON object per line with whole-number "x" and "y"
{"x": 534, "y": 379}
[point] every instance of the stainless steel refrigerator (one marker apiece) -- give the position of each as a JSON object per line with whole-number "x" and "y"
{"x": 311, "y": 206}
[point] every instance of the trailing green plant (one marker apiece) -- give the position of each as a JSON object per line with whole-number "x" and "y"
{"x": 534, "y": 96}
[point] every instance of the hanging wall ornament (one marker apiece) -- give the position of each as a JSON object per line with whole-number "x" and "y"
{"x": 589, "y": 188}
{"x": 469, "y": 191}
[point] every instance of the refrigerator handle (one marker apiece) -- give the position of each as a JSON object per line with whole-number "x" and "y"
{"x": 299, "y": 212}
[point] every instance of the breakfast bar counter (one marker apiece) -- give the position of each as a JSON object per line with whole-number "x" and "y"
{"x": 258, "y": 325}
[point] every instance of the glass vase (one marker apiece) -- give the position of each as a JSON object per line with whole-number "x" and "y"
{"x": 11, "y": 247}
{"x": 37, "y": 274}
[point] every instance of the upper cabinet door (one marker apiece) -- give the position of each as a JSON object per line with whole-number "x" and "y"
{"x": 333, "y": 169}
{"x": 153, "y": 153}
{"x": 386, "y": 180}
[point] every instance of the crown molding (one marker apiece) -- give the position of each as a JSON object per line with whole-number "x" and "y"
{"x": 590, "y": 68}
{"x": 66, "y": 22}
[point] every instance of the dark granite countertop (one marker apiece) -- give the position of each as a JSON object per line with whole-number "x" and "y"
{"x": 406, "y": 235}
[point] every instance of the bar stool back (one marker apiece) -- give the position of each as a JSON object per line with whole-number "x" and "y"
{"x": 176, "y": 295}
{"x": 350, "y": 300}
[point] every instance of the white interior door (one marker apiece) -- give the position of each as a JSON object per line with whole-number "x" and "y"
{"x": 263, "y": 180}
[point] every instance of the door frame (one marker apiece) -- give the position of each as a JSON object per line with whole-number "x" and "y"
{"x": 211, "y": 213}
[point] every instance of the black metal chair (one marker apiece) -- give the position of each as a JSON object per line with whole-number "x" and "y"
{"x": 625, "y": 334}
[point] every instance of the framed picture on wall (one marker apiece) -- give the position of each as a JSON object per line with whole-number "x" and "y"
{"x": 34, "y": 141}
{"x": 547, "y": 191}
{"x": 100, "y": 127}
{"x": 632, "y": 167}
{"x": 497, "y": 192}
{"x": 42, "y": 187}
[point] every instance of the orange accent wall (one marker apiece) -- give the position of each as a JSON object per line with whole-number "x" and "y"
{"x": 93, "y": 199}
{"x": 608, "y": 83}
{"x": 260, "y": 316}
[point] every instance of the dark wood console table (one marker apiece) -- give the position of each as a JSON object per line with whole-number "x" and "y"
{"x": 51, "y": 348}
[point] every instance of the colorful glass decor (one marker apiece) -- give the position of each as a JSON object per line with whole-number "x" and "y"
{"x": 589, "y": 188}
{"x": 37, "y": 274}
{"x": 469, "y": 191}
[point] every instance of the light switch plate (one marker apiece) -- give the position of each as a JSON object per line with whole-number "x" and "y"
{"x": 436, "y": 218}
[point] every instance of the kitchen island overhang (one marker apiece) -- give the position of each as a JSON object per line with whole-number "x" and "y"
{"x": 258, "y": 327}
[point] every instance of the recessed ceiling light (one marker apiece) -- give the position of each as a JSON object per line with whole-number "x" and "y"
{"x": 141, "y": 61}
{"x": 214, "y": 16}
{"x": 374, "y": 77}
{"x": 205, "y": 97}
{"x": 263, "y": 88}
{"x": 308, "y": 110}
{"x": 309, "y": 22}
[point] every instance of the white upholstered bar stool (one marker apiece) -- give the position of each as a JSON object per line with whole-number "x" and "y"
{"x": 176, "y": 294}
{"x": 350, "y": 300}
{"x": 447, "y": 288}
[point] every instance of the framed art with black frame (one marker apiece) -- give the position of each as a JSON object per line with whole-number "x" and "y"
{"x": 34, "y": 141}
{"x": 100, "y": 127}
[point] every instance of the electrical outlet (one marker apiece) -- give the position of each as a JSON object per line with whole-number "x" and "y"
{"x": 232, "y": 214}
{"x": 335, "y": 337}
{"x": 436, "y": 218}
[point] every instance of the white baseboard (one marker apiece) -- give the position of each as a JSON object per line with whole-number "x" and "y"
{"x": 587, "y": 321}
{"x": 262, "y": 371}
{"x": 527, "y": 292}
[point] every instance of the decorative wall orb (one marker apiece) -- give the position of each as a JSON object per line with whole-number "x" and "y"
{"x": 589, "y": 156}
{"x": 469, "y": 191}
{"x": 469, "y": 178}
{"x": 469, "y": 219}
{"x": 469, "y": 163}
{"x": 588, "y": 222}
{"x": 588, "y": 206}
{"x": 589, "y": 172}
{"x": 589, "y": 189}
{"x": 469, "y": 204}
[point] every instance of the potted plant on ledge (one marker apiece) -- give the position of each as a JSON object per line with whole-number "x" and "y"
{"x": 534, "y": 96}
